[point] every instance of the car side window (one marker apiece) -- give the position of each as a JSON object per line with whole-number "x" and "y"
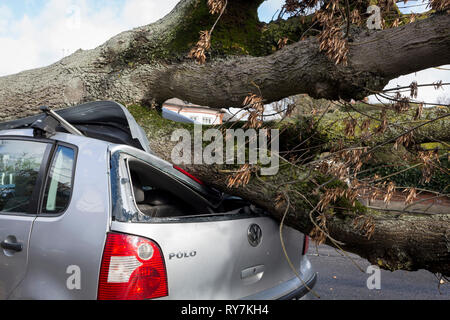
{"x": 58, "y": 189}
{"x": 20, "y": 164}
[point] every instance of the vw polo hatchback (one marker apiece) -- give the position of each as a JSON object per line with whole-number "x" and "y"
{"x": 88, "y": 212}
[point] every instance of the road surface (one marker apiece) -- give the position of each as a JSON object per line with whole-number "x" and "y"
{"x": 339, "y": 278}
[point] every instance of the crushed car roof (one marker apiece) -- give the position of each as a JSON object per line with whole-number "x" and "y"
{"x": 104, "y": 120}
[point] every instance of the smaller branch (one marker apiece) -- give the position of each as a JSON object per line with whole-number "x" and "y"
{"x": 411, "y": 101}
{"x": 407, "y": 87}
{"x": 291, "y": 265}
{"x": 347, "y": 5}
{"x": 397, "y": 125}
{"x": 426, "y": 199}
{"x": 410, "y": 130}
{"x": 274, "y": 15}
{"x": 220, "y": 16}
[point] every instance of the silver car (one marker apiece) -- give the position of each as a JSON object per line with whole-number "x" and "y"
{"x": 88, "y": 212}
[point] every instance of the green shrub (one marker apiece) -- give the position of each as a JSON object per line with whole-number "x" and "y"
{"x": 411, "y": 178}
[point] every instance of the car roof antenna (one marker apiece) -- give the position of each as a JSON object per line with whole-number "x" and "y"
{"x": 66, "y": 125}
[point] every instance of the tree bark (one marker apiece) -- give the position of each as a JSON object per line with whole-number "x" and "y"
{"x": 133, "y": 67}
{"x": 401, "y": 241}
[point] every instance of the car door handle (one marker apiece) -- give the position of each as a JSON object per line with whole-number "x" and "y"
{"x": 11, "y": 246}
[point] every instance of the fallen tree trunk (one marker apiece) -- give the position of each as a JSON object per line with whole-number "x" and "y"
{"x": 149, "y": 65}
{"x": 401, "y": 241}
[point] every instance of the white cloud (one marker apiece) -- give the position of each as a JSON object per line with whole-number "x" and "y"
{"x": 140, "y": 12}
{"x": 64, "y": 26}
{"x": 5, "y": 18}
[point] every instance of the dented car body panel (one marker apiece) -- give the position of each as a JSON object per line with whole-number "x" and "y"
{"x": 211, "y": 249}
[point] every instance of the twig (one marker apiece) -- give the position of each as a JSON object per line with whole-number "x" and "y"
{"x": 285, "y": 251}
{"x": 220, "y": 16}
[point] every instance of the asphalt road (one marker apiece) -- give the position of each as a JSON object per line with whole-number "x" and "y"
{"x": 339, "y": 278}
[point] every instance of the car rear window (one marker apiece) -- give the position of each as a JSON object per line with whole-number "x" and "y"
{"x": 20, "y": 163}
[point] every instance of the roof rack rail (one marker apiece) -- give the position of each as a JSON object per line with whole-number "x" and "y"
{"x": 49, "y": 125}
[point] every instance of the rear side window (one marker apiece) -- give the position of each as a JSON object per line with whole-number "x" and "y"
{"x": 20, "y": 163}
{"x": 58, "y": 189}
{"x": 159, "y": 195}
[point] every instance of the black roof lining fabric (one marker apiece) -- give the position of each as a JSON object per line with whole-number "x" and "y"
{"x": 103, "y": 120}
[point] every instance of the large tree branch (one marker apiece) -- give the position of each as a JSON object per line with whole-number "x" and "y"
{"x": 148, "y": 64}
{"x": 400, "y": 241}
{"x": 375, "y": 59}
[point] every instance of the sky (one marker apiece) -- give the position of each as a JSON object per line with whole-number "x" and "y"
{"x": 36, "y": 33}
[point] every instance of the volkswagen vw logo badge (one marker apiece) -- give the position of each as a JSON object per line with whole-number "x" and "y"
{"x": 254, "y": 235}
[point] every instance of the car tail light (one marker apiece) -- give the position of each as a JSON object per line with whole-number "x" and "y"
{"x": 189, "y": 175}
{"x": 306, "y": 245}
{"x": 132, "y": 269}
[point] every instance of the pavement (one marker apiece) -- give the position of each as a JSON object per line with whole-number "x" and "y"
{"x": 340, "y": 279}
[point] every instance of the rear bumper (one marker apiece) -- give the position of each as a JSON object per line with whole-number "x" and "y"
{"x": 303, "y": 290}
{"x": 292, "y": 289}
